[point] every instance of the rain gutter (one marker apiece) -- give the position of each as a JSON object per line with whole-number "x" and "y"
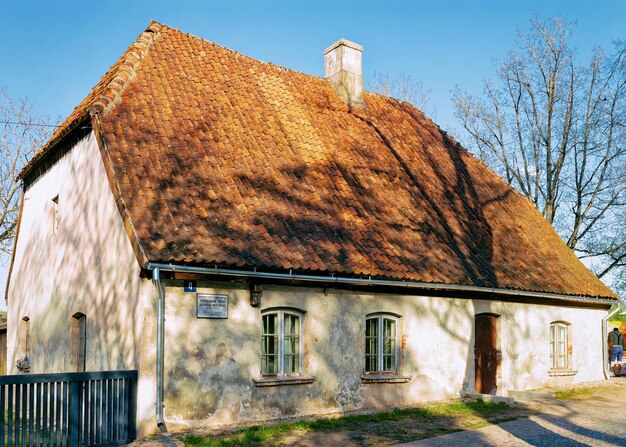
{"x": 332, "y": 279}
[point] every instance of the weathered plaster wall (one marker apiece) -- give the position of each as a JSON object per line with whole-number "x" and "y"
{"x": 88, "y": 266}
{"x": 524, "y": 331}
{"x": 210, "y": 363}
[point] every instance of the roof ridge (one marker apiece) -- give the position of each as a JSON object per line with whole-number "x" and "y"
{"x": 127, "y": 70}
{"x": 273, "y": 65}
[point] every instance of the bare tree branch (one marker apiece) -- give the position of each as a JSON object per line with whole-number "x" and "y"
{"x": 404, "y": 88}
{"x": 556, "y": 130}
{"x": 21, "y": 134}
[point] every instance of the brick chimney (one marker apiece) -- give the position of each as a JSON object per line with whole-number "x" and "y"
{"x": 342, "y": 67}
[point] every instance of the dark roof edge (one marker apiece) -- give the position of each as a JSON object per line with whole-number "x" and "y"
{"x": 66, "y": 129}
{"x": 252, "y": 274}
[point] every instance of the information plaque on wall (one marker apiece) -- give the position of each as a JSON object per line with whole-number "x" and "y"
{"x": 212, "y": 306}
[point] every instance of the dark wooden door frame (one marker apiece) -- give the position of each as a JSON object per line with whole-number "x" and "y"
{"x": 486, "y": 353}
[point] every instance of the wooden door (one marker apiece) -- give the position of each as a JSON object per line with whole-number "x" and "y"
{"x": 486, "y": 354}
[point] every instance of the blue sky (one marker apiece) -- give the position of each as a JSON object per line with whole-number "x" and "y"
{"x": 55, "y": 51}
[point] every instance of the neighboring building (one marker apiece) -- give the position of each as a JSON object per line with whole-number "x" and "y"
{"x": 347, "y": 252}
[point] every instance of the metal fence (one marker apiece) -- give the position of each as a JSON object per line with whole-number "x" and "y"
{"x": 68, "y": 409}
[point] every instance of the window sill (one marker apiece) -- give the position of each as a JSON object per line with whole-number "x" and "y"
{"x": 279, "y": 381}
{"x": 384, "y": 378}
{"x": 562, "y": 372}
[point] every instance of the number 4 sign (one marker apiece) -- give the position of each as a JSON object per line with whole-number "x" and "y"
{"x": 190, "y": 286}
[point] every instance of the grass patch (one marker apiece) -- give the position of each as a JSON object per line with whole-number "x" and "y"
{"x": 573, "y": 393}
{"x": 400, "y": 425}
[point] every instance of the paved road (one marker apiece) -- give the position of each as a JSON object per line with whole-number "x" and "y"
{"x": 590, "y": 421}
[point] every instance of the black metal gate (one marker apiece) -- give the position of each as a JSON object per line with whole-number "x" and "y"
{"x": 68, "y": 409}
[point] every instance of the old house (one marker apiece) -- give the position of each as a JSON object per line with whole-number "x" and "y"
{"x": 261, "y": 243}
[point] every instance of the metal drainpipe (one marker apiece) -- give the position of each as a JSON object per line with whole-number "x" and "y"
{"x": 160, "y": 351}
{"x": 605, "y": 343}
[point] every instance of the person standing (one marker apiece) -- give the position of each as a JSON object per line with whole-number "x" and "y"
{"x": 616, "y": 349}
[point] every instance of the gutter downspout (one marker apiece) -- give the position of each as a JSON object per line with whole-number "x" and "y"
{"x": 160, "y": 349}
{"x": 605, "y": 343}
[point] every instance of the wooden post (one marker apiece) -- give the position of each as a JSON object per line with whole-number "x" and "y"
{"x": 132, "y": 407}
{"x": 74, "y": 414}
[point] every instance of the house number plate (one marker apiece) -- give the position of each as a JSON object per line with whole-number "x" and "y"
{"x": 212, "y": 306}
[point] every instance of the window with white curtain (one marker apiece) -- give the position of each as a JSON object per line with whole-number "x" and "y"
{"x": 381, "y": 344}
{"x": 281, "y": 343}
{"x": 559, "y": 345}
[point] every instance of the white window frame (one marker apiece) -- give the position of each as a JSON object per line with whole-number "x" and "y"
{"x": 556, "y": 342}
{"x": 26, "y": 342}
{"x": 78, "y": 332}
{"x": 381, "y": 317}
{"x": 281, "y": 338}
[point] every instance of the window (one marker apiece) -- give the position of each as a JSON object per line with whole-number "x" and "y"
{"x": 381, "y": 347}
{"x": 54, "y": 215}
{"x": 26, "y": 336}
{"x": 78, "y": 335}
{"x": 23, "y": 363}
{"x": 559, "y": 345}
{"x": 281, "y": 343}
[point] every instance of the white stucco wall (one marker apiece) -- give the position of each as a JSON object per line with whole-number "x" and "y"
{"x": 210, "y": 363}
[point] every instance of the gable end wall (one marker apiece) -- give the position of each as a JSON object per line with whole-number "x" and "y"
{"x": 86, "y": 265}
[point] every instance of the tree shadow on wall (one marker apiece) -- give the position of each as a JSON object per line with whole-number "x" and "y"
{"x": 84, "y": 266}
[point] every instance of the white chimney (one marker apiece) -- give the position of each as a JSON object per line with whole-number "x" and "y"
{"x": 342, "y": 67}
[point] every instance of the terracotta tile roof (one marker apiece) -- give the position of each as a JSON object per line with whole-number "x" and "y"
{"x": 223, "y": 159}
